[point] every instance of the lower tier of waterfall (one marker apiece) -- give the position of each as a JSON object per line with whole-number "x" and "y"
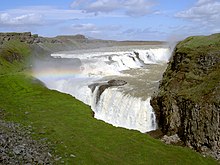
{"x": 117, "y": 83}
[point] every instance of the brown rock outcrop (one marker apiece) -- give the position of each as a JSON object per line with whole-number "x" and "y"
{"x": 103, "y": 86}
{"x": 188, "y": 101}
{"x": 26, "y": 37}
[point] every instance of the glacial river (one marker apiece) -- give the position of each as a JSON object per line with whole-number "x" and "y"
{"x": 127, "y": 105}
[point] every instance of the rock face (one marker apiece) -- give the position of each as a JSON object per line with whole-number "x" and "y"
{"x": 188, "y": 101}
{"x": 103, "y": 86}
{"x": 26, "y": 37}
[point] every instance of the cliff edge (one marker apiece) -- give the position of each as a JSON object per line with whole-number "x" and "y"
{"x": 188, "y": 100}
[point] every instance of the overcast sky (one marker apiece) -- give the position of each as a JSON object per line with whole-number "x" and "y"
{"x": 112, "y": 19}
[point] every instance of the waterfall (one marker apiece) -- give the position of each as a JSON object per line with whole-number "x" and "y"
{"x": 88, "y": 82}
{"x": 123, "y": 110}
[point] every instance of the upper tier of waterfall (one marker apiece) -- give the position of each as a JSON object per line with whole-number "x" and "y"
{"x": 125, "y": 105}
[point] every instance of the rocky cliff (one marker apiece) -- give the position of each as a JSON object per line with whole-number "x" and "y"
{"x": 188, "y": 100}
{"x": 45, "y": 46}
{"x": 26, "y": 37}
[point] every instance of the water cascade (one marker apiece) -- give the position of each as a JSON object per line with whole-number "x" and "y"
{"x": 116, "y": 83}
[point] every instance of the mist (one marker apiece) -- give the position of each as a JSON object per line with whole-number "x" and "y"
{"x": 127, "y": 105}
{"x": 56, "y": 67}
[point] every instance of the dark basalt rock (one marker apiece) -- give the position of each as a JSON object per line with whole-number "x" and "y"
{"x": 17, "y": 146}
{"x": 12, "y": 57}
{"x": 188, "y": 101}
{"x": 26, "y": 37}
{"x": 103, "y": 86}
{"x": 138, "y": 57}
{"x": 93, "y": 86}
{"x": 116, "y": 82}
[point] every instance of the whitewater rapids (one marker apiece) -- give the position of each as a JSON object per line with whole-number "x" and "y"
{"x": 127, "y": 105}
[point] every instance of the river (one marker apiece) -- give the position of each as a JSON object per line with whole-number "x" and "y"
{"x": 85, "y": 74}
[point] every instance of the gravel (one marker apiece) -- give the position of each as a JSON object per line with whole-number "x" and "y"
{"x": 17, "y": 146}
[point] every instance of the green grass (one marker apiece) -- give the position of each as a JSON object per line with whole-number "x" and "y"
{"x": 14, "y": 56}
{"x": 198, "y": 72}
{"x": 203, "y": 87}
{"x": 69, "y": 126}
{"x": 200, "y": 41}
{"x": 15, "y": 47}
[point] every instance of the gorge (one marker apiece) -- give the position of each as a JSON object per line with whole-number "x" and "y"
{"x": 113, "y": 78}
{"x": 138, "y": 68}
{"x": 188, "y": 101}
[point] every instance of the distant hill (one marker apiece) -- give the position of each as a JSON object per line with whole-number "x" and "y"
{"x": 46, "y": 45}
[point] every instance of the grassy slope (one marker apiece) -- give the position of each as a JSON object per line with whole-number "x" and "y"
{"x": 195, "y": 48}
{"x": 68, "y": 124}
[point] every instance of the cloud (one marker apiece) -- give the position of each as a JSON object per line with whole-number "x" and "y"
{"x": 180, "y": 32}
{"x": 133, "y": 8}
{"x": 39, "y": 15}
{"x": 201, "y": 2}
{"x": 85, "y": 28}
{"x": 25, "y": 19}
{"x": 105, "y": 6}
{"x": 204, "y": 11}
{"x": 187, "y": 30}
{"x": 203, "y": 17}
{"x": 143, "y": 33}
{"x": 114, "y": 32}
{"x": 92, "y": 30}
{"x": 39, "y": 19}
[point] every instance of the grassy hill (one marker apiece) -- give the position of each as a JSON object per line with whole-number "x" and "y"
{"x": 68, "y": 126}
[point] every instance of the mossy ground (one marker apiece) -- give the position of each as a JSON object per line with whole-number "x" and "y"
{"x": 200, "y": 42}
{"x": 70, "y": 128}
{"x": 197, "y": 71}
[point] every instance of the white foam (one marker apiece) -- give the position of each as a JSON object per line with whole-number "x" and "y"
{"x": 114, "y": 106}
{"x": 153, "y": 56}
{"x": 111, "y": 63}
{"x": 122, "y": 110}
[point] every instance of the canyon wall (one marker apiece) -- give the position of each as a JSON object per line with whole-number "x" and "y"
{"x": 188, "y": 100}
